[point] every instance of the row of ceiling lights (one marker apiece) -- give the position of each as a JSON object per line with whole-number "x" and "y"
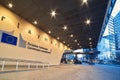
{"x": 53, "y": 15}
{"x": 87, "y": 22}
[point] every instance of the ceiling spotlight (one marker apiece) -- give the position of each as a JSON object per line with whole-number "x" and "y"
{"x": 88, "y": 21}
{"x": 65, "y": 27}
{"x": 53, "y": 13}
{"x": 71, "y": 35}
{"x": 68, "y": 45}
{"x": 49, "y": 32}
{"x": 75, "y": 40}
{"x": 90, "y": 38}
{"x": 90, "y": 42}
{"x": 84, "y": 2}
{"x": 10, "y": 5}
{"x": 90, "y": 45}
{"x": 63, "y": 41}
{"x": 78, "y": 44}
{"x": 35, "y": 22}
{"x": 58, "y": 38}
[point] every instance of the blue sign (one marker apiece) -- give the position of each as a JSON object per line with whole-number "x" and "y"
{"x": 9, "y": 39}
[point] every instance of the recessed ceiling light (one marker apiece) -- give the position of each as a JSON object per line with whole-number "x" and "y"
{"x": 63, "y": 41}
{"x": 53, "y": 13}
{"x": 10, "y": 5}
{"x": 68, "y": 45}
{"x": 71, "y": 35}
{"x": 49, "y": 32}
{"x": 90, "y": 45}
{"x": 90, "y": 42}
{"x": 90, "y": 38}
{"x": 78, "y": 44}
{"x": 35, "y": 22}
{"x": 84, "y": 2}
{"x": 75, "y": 40}
{"x": 88, "y": 21}
{"x": 65, "y": 27}
{"x": 58, "y": 38}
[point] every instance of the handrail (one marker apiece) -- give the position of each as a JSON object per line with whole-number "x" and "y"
{"x": 25, "y": 61}
{"x": 20, "y": 60}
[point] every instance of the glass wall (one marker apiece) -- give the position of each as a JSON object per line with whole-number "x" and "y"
{"x": 109, "y": 44}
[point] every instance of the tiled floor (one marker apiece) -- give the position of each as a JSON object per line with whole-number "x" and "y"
{"x": 67, "y": 72}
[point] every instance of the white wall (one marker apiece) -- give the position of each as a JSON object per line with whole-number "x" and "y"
{"x": 9, "y": 24}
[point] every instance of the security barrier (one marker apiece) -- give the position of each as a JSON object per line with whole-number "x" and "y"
{"x": 18, "y": 63}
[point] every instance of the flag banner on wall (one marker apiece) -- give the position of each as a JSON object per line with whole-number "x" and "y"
{"x": 7, "y": 32}
{"x": 9, "y": 39}
{"x": 0, "y": 35}
{"x": 22, "y": 42}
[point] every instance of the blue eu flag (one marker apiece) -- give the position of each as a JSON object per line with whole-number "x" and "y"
{"x": 9, "y": 39}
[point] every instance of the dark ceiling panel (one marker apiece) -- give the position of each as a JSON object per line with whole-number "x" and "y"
{"x": 70, "y": 13}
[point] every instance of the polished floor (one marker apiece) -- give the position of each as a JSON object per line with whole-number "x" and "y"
{"x": 67, "y": 72}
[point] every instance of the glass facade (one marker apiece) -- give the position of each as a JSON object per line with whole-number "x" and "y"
{"x": 111, "y": 38}
{"x": 109, "y": 44}
{"x": 117, "y": 35}
{"x": 104, "y": 48}
{"x": 117, "y": 30}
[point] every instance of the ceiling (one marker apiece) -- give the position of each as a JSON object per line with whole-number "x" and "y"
{"x": 71, "y": 13}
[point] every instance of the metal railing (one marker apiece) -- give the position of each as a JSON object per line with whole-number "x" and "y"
{"x": 27, "y": 62}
